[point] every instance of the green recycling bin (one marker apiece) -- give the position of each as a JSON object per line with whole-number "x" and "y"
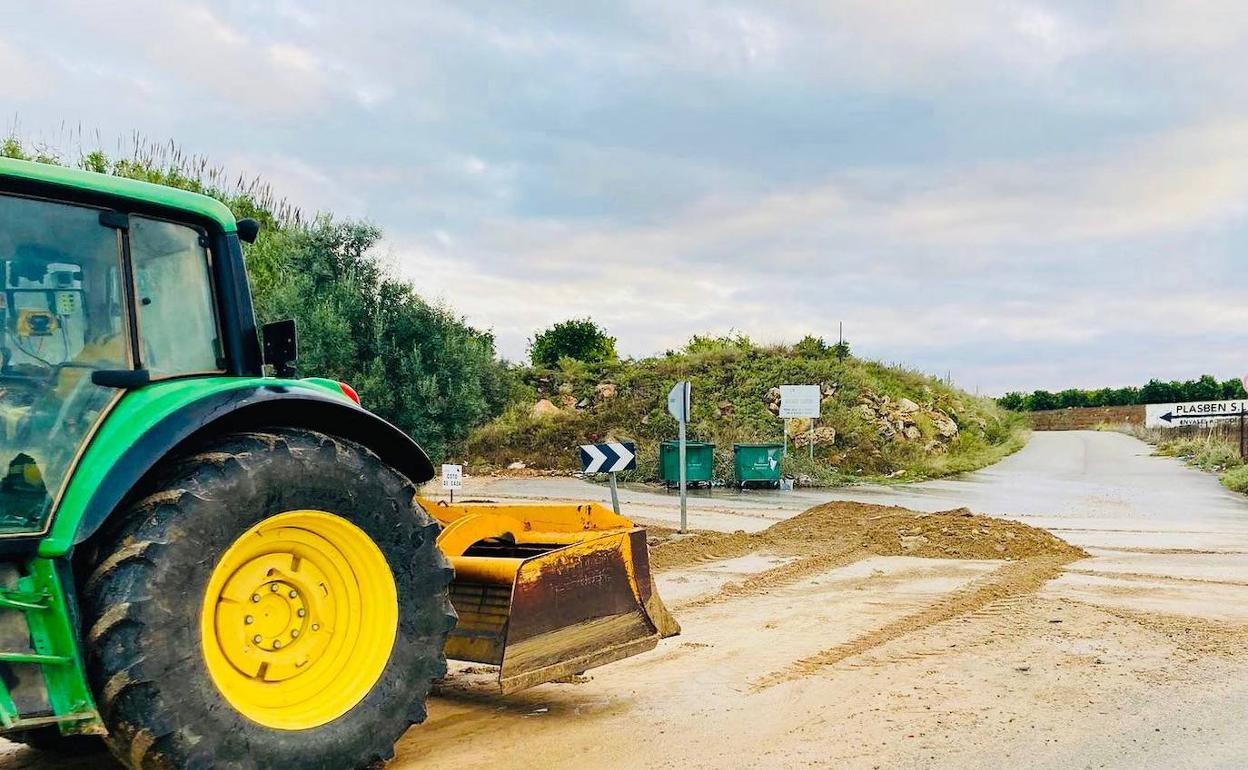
{"x": 699, "y": 462}
{"x": 757, "y": 464}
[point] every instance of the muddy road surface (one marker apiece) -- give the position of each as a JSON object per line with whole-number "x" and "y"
{"x": 861, "y": 635}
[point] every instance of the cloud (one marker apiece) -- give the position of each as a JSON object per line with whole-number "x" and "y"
{"x": 25, "y": 76}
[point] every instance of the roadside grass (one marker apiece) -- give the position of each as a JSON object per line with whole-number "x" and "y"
{"x": 1209, "y": 452}
{"x": 1236, "y": 479}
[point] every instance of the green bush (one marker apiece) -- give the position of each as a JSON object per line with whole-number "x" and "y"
{"x": 1217, "y": 455}
{"x": 1236, "y": 479}
{"x": 579, "y": 339}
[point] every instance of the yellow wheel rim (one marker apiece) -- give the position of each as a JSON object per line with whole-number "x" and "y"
{"x": 299, "y": 619}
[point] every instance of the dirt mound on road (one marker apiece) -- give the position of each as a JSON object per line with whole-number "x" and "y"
{"x": 844, "y": 527}
{"x": 839, "y": 533}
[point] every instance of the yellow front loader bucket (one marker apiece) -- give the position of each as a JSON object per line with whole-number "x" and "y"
{"x": 544, "y": 591}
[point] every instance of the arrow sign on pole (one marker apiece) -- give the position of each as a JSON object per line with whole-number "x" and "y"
{"x": 611, "y": 457}
{"x": 1171, "y": 417}
{"x": 1193, "y": 413}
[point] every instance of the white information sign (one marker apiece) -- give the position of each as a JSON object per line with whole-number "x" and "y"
{"x": 799, "y": 401}
{"x": 452, "y": 477}
{"x": 1198, "y": 414}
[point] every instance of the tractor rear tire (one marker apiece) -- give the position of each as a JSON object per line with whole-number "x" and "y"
{"x": 180, "y": 681}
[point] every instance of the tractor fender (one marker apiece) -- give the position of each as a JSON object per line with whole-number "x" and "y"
{"x": 246, "y": 409}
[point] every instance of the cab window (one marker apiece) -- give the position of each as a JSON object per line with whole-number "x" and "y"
{"x": 173, "y": 288}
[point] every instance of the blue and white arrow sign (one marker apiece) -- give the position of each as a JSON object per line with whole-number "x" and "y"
{"x": 609, "y": 458}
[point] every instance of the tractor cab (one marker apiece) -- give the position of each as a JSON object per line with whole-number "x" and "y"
{"x": 80, "y": 299}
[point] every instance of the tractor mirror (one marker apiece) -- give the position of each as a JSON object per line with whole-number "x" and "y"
{"x": 248, "y": 230}
{"x": 280, "y": 347}
{"x": 123, "y": 379}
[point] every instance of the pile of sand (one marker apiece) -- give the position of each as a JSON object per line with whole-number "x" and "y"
{"x": 843, "y": 527}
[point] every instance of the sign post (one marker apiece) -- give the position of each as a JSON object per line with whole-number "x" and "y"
{"x": 612, "y": 457}
{"x": 802, "y": 402}
{"x": 678, "y": 403}
{"x": 452, "y": 478}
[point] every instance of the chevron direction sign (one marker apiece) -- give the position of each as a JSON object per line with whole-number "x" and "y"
{"x": 609, "y": 458}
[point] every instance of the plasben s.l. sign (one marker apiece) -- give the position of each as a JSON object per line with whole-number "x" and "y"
{"x": 1193, "y": 413}
{"x": 799, "y": 401}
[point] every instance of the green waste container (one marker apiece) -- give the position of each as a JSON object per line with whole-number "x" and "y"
{"x": 699, "y": 462}
{"x": 757, "y": 464}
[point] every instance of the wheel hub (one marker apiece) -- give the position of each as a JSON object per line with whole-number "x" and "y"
{"x": 300, "y": 616}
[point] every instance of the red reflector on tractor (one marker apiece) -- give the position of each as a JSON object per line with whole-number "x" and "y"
{"x": 349, "y": 392}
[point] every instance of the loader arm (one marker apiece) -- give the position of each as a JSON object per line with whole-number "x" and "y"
{"x": 544, "y": 591}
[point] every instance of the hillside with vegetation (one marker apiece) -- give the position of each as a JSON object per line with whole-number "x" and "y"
{"x": 878, "y": 421}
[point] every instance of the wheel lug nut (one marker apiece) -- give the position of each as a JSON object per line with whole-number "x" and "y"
{"x": 294, "y": 634}
{"x": 294, "y": 594}
{"x": 249, "y": 620}
{"x": 302, "y": 612}
{"x": 277, "y": 644}
{"x": 316, "y": 627}
{"x": 255, "y": 597}
{"x": 273, "y": 587}
{"x": 256, "y": 638}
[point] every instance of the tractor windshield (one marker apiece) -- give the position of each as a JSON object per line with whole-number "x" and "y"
{"x": 62, "y": 311}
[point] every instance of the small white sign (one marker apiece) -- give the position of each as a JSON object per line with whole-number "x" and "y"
{"x": 452, "y": 477}
{"x": 1192, "y": 414}
{"x": 800, "y": 401}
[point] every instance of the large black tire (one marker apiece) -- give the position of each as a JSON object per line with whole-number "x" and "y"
{"x": 145, "y": 585}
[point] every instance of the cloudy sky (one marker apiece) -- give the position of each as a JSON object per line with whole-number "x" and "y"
{"x": 1022, "y": 194}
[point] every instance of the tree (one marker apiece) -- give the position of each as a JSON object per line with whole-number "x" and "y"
{"x": 579, "y": 338}
{"x": 415, "y": 364}
{"x": 1041, "y": 400}
{"x": 1233, "y": 388}
{"x": 1126, "y": 396}
{"x": 811, "y": 346}
{"x": 1014, "y": 401}
{"x": 1158, "y": 392}
{"x": 1072, "y": 397}
{"x": 1204, "y": 389}
{"x": 1102, "y": 397}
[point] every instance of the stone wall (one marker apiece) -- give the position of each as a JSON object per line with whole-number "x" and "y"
{"x": 1084, "y": 418}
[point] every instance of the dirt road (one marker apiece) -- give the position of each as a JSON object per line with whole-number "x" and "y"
{"x": 871, "y": 653}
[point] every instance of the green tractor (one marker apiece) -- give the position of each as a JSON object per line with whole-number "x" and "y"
{"x": 211, "y": 567}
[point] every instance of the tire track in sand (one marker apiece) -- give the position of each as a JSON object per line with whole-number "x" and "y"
{"x": 1014, "y": 579}
{"x": 777, "y": 577}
